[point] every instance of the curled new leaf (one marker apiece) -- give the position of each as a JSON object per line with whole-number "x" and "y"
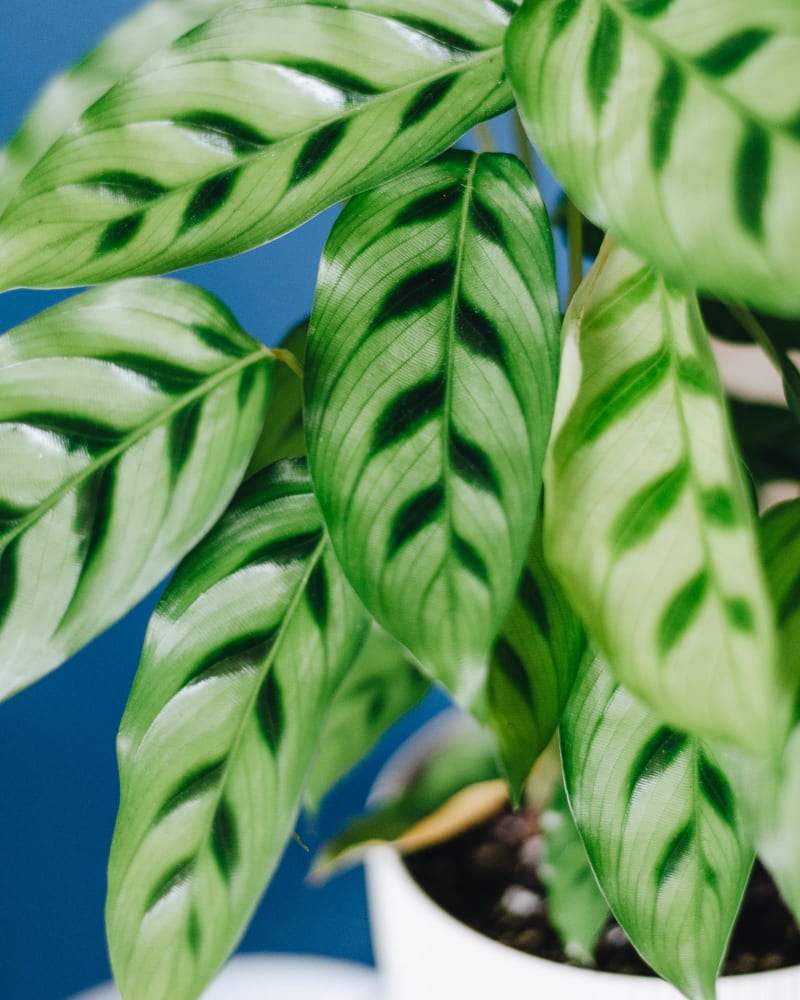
{"x": 241, "y": 661}
{"x": 127, "y": 416}
{"x": 661, "y": 827}
{"x": 430, "y": 382}
{"x": 666, "y": 127}
{"x": 647, "y": 522}
{"x": 247, "y": 126}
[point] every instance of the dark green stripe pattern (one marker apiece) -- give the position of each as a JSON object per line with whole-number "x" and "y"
{"x": 127, "y": 417}
{"x": 661, "y": 826}
{"x": 430, "y": 381}
{"x": 648, "y": 525}
{"x": 220, "y": 731}
{"x": 246, "y": 127}
{"x": 715, "y": 212}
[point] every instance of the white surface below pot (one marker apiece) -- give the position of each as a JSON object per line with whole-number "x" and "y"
{"x": 279, "y": 977}
{"x": 424, "y": 953}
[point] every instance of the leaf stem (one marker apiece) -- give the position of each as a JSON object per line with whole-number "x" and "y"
{"x": 485, "y": 137}
{"x": 287, "y": 358}
{"x": 523, "y": 145}
{"x": 575, "y": 245}
{"x": 778, "y": 357}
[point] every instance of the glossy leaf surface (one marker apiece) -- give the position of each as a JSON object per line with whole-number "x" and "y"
{"x": 534, "y": 662}
{"x": 646, "y": 518}
{"x": 430, "y": 382}
{"x": 381, "y": 686}
{"x": 242, "y": 658}
{"x": 127, "y": 417}
{"x": 249, "y": 125}
{"x": 667, "y": 127}
{"x": 661, "y": 827}
{"x": 67, "y": 96}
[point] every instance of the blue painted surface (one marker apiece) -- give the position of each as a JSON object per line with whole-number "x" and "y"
{"x": 58, "y": 779}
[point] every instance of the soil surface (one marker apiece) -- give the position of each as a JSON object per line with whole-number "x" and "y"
{"x": 481, "y": 876}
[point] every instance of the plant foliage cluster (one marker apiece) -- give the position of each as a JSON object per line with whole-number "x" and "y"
{"x": 555, "y": 522}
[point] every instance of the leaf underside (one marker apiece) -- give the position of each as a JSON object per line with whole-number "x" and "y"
{"x": 431, "y": 374}
{"x": 111, "y": 405}
{"x": 241, "y": 661}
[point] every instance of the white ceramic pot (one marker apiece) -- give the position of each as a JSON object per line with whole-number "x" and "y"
{"x": 423, "y": 953}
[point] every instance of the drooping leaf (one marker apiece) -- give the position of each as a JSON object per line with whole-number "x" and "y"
{"x": 768, "y": 440}
{"x": 67, "y": 96}
{"x": 380, "y": 686}
{"x": 430, "y": 381}
{"x": 457, "y": 787}
{"x": 241, "y": 661}
{"x": 249, "y": 125}
{"x": 282, "y": 435}
{"x": 666, "y": 128}
{"x": 647, "y": 522}
{"x": 534, "y": 662}
{"x": 127, "y": 417}
{"x": 575, "y": 905}
{"x": 661, "y": 827}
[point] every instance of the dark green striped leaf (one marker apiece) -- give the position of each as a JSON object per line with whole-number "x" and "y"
{"x": 661, "y": 827}
{"x": 66, "y": 97}
{"x": 127, "y": 417}
{"x": 380, "y": 686}
{"x": 429, "y": 391}
{"x": 693, "y": 165}
{"x": 534, "y": 662}
{"x": 217, "y": 739}
{"x": 247, "y": 126}
{"x": 648, "y": 523}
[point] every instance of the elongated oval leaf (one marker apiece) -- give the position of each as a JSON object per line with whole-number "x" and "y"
{"x": 647, "y": 520}
{"x": 242, "y": 658}
{"x": 430, "y": 381}
{"x": 127, "y": 417}
{"x": 534, "y": 662}
{"x": 661, "y": 828}
{"x": 667, "y": 128}
{"x": 249, "y": 125}
{"x": 379, "y": 687}
{"x": 67, "y": 96}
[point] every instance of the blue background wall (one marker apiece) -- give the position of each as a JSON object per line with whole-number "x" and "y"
{"x": 58, "y": 781}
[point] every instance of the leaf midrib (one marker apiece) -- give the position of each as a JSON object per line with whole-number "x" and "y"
{"x": 162, "y": 417}
{"x": 690, "y": 67}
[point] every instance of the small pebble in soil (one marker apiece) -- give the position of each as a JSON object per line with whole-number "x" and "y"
{"x": 520, "y": 902}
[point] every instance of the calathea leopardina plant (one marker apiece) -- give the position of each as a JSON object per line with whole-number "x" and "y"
{"x": 139, "y": 427}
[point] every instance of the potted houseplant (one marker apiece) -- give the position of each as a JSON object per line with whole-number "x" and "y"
{"x": 140, "y": 426}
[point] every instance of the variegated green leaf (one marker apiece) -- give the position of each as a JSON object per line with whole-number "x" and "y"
{"x": 282, "y": 435}
{"x": 647, "y": 522}
{"x": 127, "y": 417}
{"x": 534, "y": 662}
{"x": 249, "y": 125}
{"x": 676, "y": 131}
{"x": 67, "y": 96}
{"x": 379, "y": 687}
{"x": 575, "y": 905}
{"x": 241, "y": 661}
{"x": 430, "y": 381}
{"x": 661, "y": 827}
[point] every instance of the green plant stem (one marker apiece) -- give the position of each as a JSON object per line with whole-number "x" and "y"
{"x": 779, "y": 358}
{"x": 485, "y": 137}
{"x": 523, "y": 145}
{"x": 575, "y": 245}
{"x": 280, "y": 354}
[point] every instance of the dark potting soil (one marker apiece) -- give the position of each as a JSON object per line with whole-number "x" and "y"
{"x": 482, "y": 876}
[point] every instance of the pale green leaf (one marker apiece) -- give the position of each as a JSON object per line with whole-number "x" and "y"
{"x": 431, "y": 371}
{"x": 661, "y": 827}
{"x": 282, "y": 435}
{"x": 67, "y": 96}
{"x": 533, "y": 665}
{"x": 247, "y": 126}
{"x": 241, "y": 661}
{"x": 575, "y": 905}
{"x": 647, "y": 521}
{"x": 127, "y": 417}
{"x": 379, "y": 687}
{"x": 677, "y": 131}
